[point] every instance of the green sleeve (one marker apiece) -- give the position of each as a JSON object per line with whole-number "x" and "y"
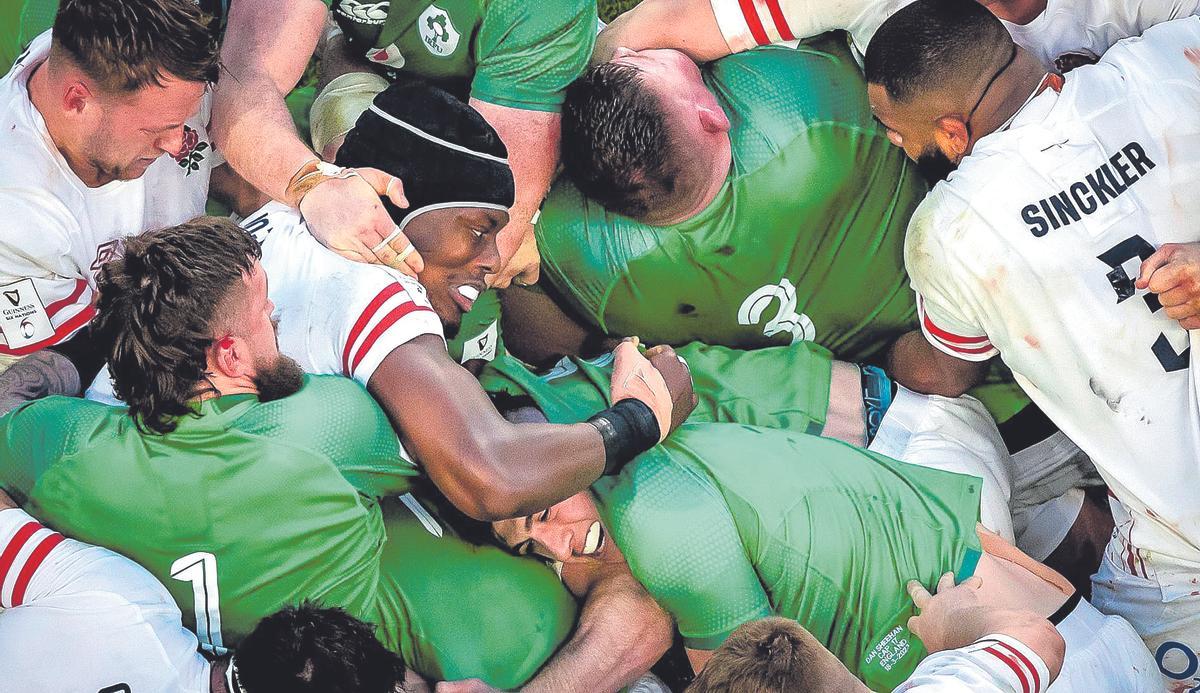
{"x": 528, "y": 52}
{"x": 336, "y": 417}
{"x": 682, "y": 544}
{"x": 35, "y": 435}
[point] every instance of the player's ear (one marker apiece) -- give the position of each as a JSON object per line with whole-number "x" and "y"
{"x": 712, "y": 120}
{"x": 228, "y": 356}
{"x": 951, "y": 136}
{"x": 76, "y": 97}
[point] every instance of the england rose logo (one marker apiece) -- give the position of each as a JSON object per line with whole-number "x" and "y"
{"x": 193, "y": 151}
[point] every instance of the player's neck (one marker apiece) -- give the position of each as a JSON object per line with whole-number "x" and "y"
{"x": 42, "y": 91}
{"x": 711, "y": 164}
{"x": 1016, "y": 11}
{"x": 220, "y": 385}
{"x": 1013, "y": 91}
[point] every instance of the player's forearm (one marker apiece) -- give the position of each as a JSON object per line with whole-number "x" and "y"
{"x": 260, "y": 68}
{"x": 40, "y": 374}
{"x": 245, "y": 115}
{"x": 685, "y": 25}
{"x": 622, "y": 632}
{"x": 917, "y": 365}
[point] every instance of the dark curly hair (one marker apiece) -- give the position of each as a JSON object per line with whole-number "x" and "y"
{"x": 156, "y": 309}
{"x": 311, "y": 649}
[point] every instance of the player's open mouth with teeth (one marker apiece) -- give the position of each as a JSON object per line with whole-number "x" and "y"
{"x": 594, "y": 541}
{"x": 465, "y": 296}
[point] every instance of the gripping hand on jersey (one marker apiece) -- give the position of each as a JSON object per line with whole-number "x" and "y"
{"x": 347, "y": 216}
{"x": 1173, "y": 273}
{"x": 662, "y": 382}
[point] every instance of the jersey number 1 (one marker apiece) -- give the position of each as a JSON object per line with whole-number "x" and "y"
{"x": 1115, "y": 257}
{"x": 200, "y": 569}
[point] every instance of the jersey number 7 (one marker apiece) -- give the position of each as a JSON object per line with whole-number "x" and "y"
{"x": 1115, "y": 257}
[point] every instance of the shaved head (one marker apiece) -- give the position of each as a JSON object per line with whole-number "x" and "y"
{"x": 936, "y": 47}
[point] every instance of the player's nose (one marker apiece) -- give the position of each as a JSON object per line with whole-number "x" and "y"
{"x": 171, "y": 142}
{"x": 555, "y": 541}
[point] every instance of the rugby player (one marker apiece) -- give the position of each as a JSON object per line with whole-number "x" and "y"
{"x": 512, "y": 59}
{"x": 1060, "y": 191}
{"x": 85, "y": 122}
{"x": 725, "y": 524}
{"x": 1061, "y": 33}
{"x": 79, "y": 617}
{"x": 245, "y": 485}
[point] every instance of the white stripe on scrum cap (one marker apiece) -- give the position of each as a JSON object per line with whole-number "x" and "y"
{"x": 433, "y": 138}
{"x": 446, "y": 205}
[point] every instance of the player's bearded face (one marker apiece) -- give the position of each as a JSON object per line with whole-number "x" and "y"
{"x": 134, "y": 130}
{"x": 277, "y": 378}
{"x": 934, "y": 164}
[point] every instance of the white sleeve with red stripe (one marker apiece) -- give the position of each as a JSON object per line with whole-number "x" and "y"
{"x": 44, "y": 297}
{"x": 24, "y": 546}
{"x": 748, "y": 23}
{"x": 993, "y": 664}
{"x": 388, "y": 310}
{"x": 953, "y": 336}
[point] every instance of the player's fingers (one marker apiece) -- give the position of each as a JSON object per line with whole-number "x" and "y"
{"x": 1180, "y": 312}
{"x": 920, "y": 596}
{"x": 1170, "y": 276}
{"x": 384, "y": 185}
{"x": 1151, "y": 264}
{"x": 1177, "y": 296}
{"x": 1192, "y": 323}
{"x": 356, "y": 252}
{"x": 946, "y": 582}
{"x": 655, "y": 350}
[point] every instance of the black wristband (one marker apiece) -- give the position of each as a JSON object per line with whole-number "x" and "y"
{"x": 628, "y": 428}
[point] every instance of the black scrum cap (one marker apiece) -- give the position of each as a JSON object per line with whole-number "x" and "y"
{"x": 443, "y": 151}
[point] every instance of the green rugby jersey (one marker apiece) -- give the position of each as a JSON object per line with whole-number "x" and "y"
{"x": 251, "y": 506}
{"x": 777, "y": 387}
{"x": 513, "y": 53}
{"x": 724, "y": 524}
{"x": 803, "y": 242}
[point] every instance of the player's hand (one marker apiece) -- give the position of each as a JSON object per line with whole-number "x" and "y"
{"x": 634, "y": 377}
{"x": 347, "y": 216}
{"x": 466, "y": 686}
{"x": 1173, "y": 273}
{"x": 678, "y": 376}
{"x": 519, "y": 254}
{"x": 947, "y": 619}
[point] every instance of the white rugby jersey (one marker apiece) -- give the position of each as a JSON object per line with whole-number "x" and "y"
{"x": 1066, "y": 26}
{"x": 336, "y": 316}
{"x": 993, "y": 664}
{"x": 81, "y": 618}
{"x": 56, "y": 233}
{"x": 1030, "y": 250}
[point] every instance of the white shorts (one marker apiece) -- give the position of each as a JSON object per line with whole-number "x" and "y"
{"x": 957, "y": 435}
{"x": 1170, "y": 627}
{"x": 1104, "y": 654}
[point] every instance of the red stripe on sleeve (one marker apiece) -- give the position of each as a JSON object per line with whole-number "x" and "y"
{"x": 753, "y": 22}
{"x": 53, "y": 308}
{"x": 965, "y": 350}
{"x": 397, "y": 313}
{"x": 361, "y": 323}
{"x": 64, "y": 330}
{"x": 1037, "y": 680}
{"x": 14, "y": 547}
{"x": 35, "y": 561}
{"x": 950, "y": 336}
{"x": 785, "y": 31}
{"x": 1011, "y": 664}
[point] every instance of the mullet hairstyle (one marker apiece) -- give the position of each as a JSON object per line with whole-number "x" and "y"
{"x": 156, "y": 309}
{"x": 616, "y": 145}
{"x": 128, "y": 44}
{"x": 933, "y": 44}
{"x": 770, "y": 655}
{"x": 310, "y": 649}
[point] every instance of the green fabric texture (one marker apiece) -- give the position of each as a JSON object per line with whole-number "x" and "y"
{"x": 289, "y": 496}
{"x": 817, "y": 199}
{"x": 725, "y": 523}
{"x": 511, "y": 53}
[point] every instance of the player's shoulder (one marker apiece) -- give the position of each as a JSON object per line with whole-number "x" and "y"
{"x": 67, "y": 424}
{"x": 1168, "y": 45}
{"x": 550, "y": 17}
